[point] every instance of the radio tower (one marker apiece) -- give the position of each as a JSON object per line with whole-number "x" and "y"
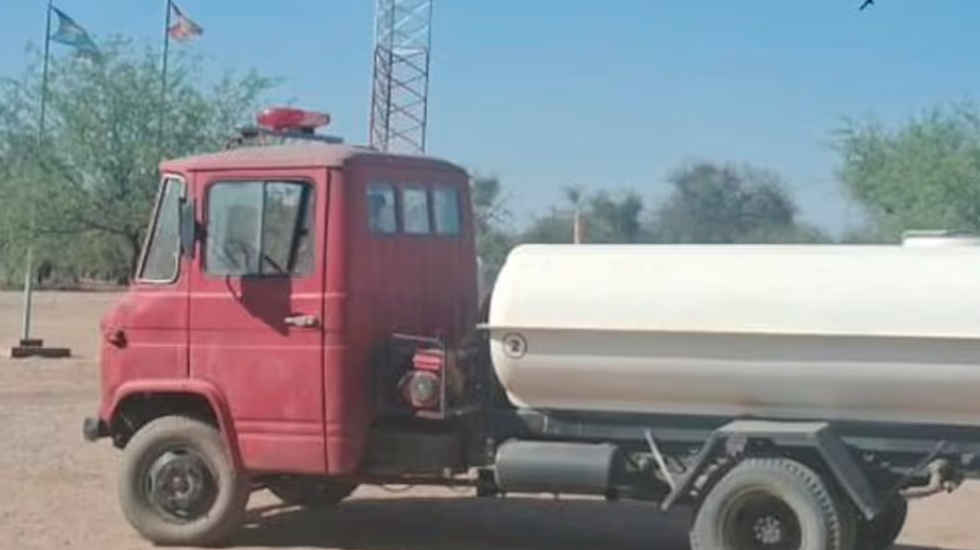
{"x": 400, "y": 94}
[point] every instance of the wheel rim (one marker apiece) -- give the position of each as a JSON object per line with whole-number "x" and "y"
{"x": 761, "y": 521}
{"x": 180, "y": 485}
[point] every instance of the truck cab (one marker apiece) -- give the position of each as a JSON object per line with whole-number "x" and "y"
{"x": 272, "y": 284}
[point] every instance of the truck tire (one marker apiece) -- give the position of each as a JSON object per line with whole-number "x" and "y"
{"x": 881, "y": 532}
{"x": 310, "y": 493}
{"x": 850, "y": 520}
{"x": 769, "y": 504}
{"x": 179, "y": 484}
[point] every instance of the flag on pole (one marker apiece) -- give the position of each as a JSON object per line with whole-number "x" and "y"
{"x": 184, "y": 29}
{"x": 72, "y": 34}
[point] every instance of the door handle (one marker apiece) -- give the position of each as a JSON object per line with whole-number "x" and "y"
{"x": 302, "y": 321}
{"x": 116, "y": 338}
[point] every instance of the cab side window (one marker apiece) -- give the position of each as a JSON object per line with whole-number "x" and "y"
{"x": 260, "y": 228}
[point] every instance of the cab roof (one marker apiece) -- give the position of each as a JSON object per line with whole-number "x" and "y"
{"x": 299, "y": 155}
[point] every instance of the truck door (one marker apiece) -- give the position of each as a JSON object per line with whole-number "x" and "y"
{"x": 256, "y": 310}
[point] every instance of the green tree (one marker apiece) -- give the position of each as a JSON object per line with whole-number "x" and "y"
{"x": 924, "y": 174}
{"x": 489, "y": 206}
{"x": 607, "y": 217}
{"x": 555, "y": 227}
{"x": 614, "y": 219}
{"x": 491, "y": 216}
{"x": 558, "y": 225}
{"x": 94, "y": 177}
{"x": 713, "y": 203}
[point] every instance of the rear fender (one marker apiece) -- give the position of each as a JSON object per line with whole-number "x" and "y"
{"x": 819, "y": 436}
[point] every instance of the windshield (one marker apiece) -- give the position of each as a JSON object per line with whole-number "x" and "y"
{"x": 161, "y": 255}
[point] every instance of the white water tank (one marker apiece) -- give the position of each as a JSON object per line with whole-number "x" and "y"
{"x": 938, "y": 238}
{"x": 868, "y": 333}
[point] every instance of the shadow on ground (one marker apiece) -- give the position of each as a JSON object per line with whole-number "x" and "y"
{"x": 472, "y": 524}
{"x": 468, "y": 524}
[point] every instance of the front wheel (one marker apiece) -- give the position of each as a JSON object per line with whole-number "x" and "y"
{"x": 769, "y": 504}
{"x": 179, "y": 485}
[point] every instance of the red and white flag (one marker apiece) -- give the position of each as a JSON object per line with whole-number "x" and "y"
{"x": 184, "y": 29}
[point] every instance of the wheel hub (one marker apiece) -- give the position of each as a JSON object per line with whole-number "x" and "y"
{"x": 180, "y": 484}
{"x": 768, "y": 530}
{"x": 761, "y": 521}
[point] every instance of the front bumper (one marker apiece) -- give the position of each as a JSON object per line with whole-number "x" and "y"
{"x": 94, "y": 428}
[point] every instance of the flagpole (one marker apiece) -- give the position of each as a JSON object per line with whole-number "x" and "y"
{"x": 163, "y": 73}
{"x": 29, "y": 268}
{"x": 44, "y": 73}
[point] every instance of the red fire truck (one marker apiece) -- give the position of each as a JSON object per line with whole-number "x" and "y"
{"x": 305, "y": 318}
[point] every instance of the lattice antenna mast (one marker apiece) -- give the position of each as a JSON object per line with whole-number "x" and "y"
{"x": 400, "y": 94}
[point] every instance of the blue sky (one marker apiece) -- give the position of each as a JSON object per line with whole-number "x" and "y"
{"x": 612, "y": 95}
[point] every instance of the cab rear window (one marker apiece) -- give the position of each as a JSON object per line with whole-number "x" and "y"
{"x": 381, "y": 208}
{"x": 413, "y": 209}
{"x": 445, "y": 209}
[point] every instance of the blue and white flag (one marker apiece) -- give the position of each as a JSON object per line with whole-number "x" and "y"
{"x": 72, "y": 34}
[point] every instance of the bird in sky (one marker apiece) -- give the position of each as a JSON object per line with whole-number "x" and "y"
{"x": 866, "y": 4}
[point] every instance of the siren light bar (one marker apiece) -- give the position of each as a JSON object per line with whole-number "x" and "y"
{"x": 280, "y": 119}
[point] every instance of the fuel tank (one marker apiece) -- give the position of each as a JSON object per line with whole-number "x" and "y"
{"x": 864, "y": 333}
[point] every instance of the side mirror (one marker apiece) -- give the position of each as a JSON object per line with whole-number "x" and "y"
{"x": 188, "y": 228}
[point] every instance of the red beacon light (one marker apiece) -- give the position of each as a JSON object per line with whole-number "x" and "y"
{"x": 279, "y": 119}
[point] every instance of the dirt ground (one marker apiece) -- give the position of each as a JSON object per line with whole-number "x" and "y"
{"x": 60, "y": 492}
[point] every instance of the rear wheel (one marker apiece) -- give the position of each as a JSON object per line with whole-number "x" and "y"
{"x": 179, "y": 485}
{"x": 849, "y": 522}
{"x": 769, "y": 504}
{"x": 881, "y": 532}
{"x": 310, "y": 492}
